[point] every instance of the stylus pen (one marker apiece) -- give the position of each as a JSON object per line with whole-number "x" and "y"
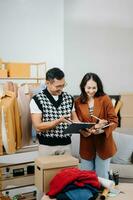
{"x": 104, "y": 194}
{"x": 68, "y": 119}
{"x": 95, "y": 117}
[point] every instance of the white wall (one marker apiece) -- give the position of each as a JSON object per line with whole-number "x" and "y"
{"x": 32, "y": 31}
{"x": 96, "y": 35}
{"x": 99, "y": 38}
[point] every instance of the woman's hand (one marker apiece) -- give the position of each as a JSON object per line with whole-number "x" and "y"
{"x": 101, "y": 124}
{"x": 97, "y": 131}
{"x": 93, "y": 131}
{"x": 86, "y": 132}
{"x": 98, "y": 127}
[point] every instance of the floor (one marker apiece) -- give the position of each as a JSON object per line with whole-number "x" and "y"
{"x": 126, "y": 192}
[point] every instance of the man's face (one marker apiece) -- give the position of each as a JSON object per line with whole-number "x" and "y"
{"x": 55, "y": 87}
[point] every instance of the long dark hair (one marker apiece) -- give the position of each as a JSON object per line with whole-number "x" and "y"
{"x": 86, "y": 78}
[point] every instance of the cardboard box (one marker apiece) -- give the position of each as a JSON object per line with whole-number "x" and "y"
{"x": 18, "y": 70}
{"x": 47, "y": 167}
{"x": 3, "y": 73}
{"x": 127, "y": 121}
{"x": 127, "y": 107}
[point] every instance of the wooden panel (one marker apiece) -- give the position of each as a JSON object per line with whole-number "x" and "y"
{"x": 127, "y": 107}
{"x": 127, "y": 122}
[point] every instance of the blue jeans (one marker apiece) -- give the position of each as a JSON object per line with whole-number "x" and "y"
{"x": 99, "y": 165}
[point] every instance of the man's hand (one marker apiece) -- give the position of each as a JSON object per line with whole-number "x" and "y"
{"x": 66, "y": 119}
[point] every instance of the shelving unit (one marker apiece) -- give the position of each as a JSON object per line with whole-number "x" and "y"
{"x": 18, "y": 178}
{"x": 33, "y": 76}
{"x": 23, "y": 78}
{"x": 27, "y": 180}
{"x": 10, "y": 178}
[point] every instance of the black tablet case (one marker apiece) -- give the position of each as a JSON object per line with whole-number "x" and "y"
{"x": 76, "y": 127}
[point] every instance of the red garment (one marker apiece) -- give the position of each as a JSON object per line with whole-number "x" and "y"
{"x": 72, "y": 175}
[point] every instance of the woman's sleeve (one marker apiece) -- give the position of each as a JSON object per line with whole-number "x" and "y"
{"x": 110, "y": 116}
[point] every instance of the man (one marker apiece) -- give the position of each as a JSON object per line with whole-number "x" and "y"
{"x": 49, "y": 112}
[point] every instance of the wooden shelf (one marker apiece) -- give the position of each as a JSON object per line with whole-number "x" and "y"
{"x": 15, "y": 187}
{"x": 11, "y": 177}
{"x": 21, "y": 78}
{"x": 3, "y": 165}
{"x": 17, "y": 182}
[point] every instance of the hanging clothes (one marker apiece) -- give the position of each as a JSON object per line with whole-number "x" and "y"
{"x": 4, "y": 133}
{"x": 1, "y": 144}
{"x": 23, "y": 102}
{"x": 9, "y": 104}
{"x": 10, "y": 86}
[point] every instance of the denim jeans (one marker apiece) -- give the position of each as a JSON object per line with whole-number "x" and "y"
{"x": 99, "y": 165}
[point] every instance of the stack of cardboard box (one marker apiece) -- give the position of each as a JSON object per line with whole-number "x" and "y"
{"x": 127, "y": 110}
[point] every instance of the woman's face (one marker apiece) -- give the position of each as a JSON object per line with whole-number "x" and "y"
{"x": 91, "y": 88}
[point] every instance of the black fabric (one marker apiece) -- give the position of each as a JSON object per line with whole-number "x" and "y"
{"x": 62, "y": 196}
{"x": 132, "y": 158}
{"x": 54, "y": 141}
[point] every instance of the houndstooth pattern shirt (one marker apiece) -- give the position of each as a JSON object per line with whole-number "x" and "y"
{"x": 52, "y": 110}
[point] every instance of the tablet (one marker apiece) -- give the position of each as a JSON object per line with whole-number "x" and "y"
{"x": 76, "y": 127}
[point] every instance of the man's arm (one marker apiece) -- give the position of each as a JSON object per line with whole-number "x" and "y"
{"x": 42, "y": 126}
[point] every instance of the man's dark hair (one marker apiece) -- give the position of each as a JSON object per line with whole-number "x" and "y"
{"x": 54, "y": 73}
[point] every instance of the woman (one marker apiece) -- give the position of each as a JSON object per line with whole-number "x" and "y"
{"x": 96, "y": 144}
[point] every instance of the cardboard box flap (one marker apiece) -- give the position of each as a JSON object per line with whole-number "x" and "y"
{"x": 50, "y": 162}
